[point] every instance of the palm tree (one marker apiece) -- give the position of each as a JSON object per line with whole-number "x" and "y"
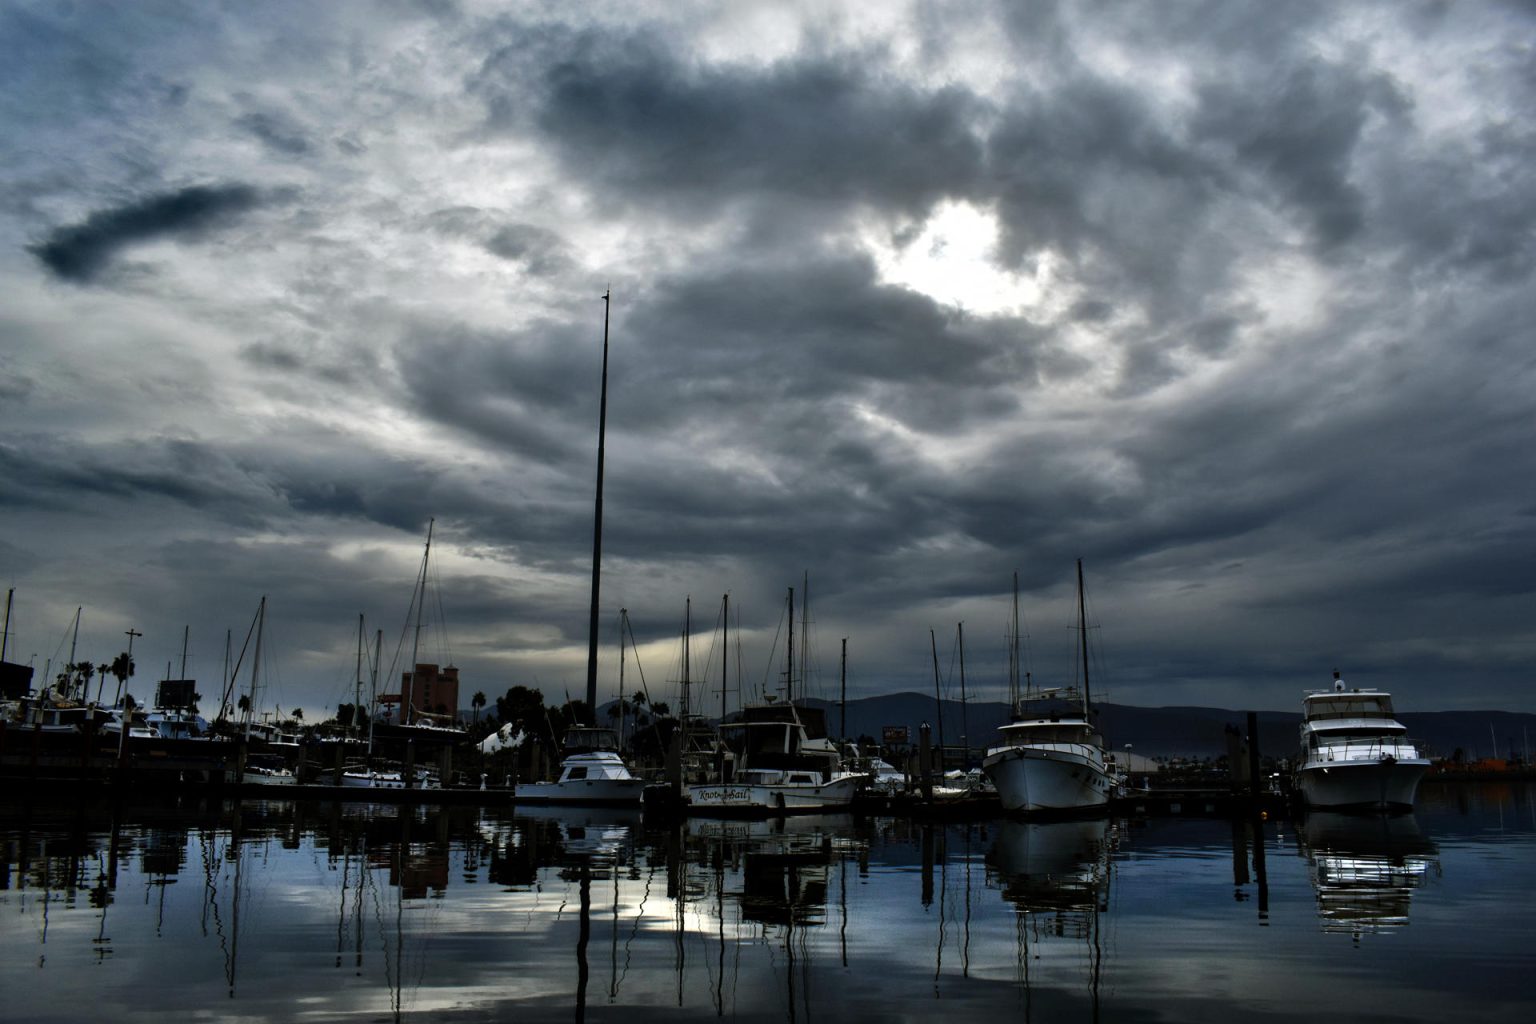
{"x": 476, "y": 703}
{"x": 83, "y": 672}
{"x": 122, "y": 670}
{"x": 102, "y": 671}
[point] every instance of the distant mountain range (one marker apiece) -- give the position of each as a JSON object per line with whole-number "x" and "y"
{"x": 1182, "y": 731}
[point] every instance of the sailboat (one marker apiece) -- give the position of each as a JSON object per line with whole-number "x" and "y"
{"x": 784, "y": 762}
{"x": 423, "y": 686}
{"x": 1050, "y": 758}
{"x": 592, "y": 771}
{"x": 368, "y": 775}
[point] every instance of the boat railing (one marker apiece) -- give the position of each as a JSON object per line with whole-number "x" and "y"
{"x": 1366, "y": 750}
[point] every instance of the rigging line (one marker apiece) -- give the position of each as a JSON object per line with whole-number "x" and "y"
{"x": 1095, "y": 650}
{"x": 634, "y": 648}
{"x": 714, "y": 642}
{"x": 965, "y": 948}
{"x": 645, "y": 895}
{"x": 442, "y": 616}
{"x": 769, "y": 669}
{"x": 613, "y": 940}
{"x": 234, "y": 673}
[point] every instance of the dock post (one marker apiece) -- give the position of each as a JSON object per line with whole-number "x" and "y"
{"x": 1256, "y": 813}
{"x": 925, "y": 762}
{"x": 1253, "y": 760}
{"x": 336, "y": 763}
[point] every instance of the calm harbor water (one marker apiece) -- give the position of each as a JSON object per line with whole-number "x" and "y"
{"x": 277, "y": 911}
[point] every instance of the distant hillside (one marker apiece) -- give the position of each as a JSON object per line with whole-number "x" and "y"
{"x": 1181, "y": 731}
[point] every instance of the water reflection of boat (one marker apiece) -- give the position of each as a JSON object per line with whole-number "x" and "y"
{"x": 586, "y": 831}
{"x": 1052, "y": 866}
{"x": 1365, "y": 868}
{"x": 1056, "y": 874}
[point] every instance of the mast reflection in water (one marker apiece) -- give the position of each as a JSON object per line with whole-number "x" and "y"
{"x": 1056, "y": 874}
{"x": 275, "y": 911}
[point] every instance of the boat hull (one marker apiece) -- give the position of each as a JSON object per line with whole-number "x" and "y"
{"x": 384, "y": 780}
{"x": 1062, "y": 779}
{"x": 773, "y": 798}
{"x": 590, "y": 792}
{"x": 267, "y": 778}
{"x": 1381, "y": 784}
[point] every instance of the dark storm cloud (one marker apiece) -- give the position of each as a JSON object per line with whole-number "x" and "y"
{"x": 1057, "y": 159}
{"x": 1299, "y": 133}
{"x": 821, "y": 332}
{"x": 61, "y": 473}
{"x": 542, "y": 253}
{"x": 521, "y": 391}
{"x": 80, "y": 252}
{"x": 275, "y": 131}
{"x": 628, "y": 112}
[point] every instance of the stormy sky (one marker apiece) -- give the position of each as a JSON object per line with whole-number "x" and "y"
{"x": 1232, "y": 301}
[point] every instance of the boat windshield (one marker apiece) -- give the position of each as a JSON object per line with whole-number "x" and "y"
{"x": 1370, "y": 732}
{"x": 1047, "y": 732}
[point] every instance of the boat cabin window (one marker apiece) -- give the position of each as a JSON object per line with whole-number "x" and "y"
{"x": 768, "y": 739}
{"x": 1367, "y": 733}
{"x": 587, "y": 738}
{"x": 1349, "y": 705}
{"x": 1070, "y": 733}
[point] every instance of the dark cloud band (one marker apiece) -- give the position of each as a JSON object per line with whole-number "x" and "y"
{"x": 80, "y": 252}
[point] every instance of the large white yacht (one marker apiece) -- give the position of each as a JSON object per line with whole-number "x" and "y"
{"x": 1051, "y": 759}
{"x": 1354, "y": 753}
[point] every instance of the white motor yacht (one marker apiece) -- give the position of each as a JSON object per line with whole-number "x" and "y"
{"x": 592, "y": 772}
{"x": 1354, "y": 753}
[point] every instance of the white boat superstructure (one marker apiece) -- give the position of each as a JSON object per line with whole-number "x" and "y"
{"x": 49, "y": 713}
{"x": 1354, "y": 752}
{"x": 386, "y": 778}
{"x": 267, "y": 770}
{"x": 592, "y": 772}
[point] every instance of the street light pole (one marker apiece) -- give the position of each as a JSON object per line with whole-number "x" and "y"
{"x": 128, "y": 668}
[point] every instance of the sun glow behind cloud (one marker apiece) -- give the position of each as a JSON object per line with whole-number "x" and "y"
{"x": 953, "y": 261}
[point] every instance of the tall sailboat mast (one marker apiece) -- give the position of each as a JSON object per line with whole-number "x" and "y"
{"x": 357, "y": 691}
{"x": 725, "y": 651}
{"x": 421, "y": 600}
{"x": 5, "y": 634}
{"x": 1082, "y": 628}
{"x": 805, "y": 631}
{"x": 1013, "y": 652}
{"x": 789, "y": 668}
{"x": 597, "y": 521}
{"x": 687, "y": 632}
{"x": 250, "y": 703}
